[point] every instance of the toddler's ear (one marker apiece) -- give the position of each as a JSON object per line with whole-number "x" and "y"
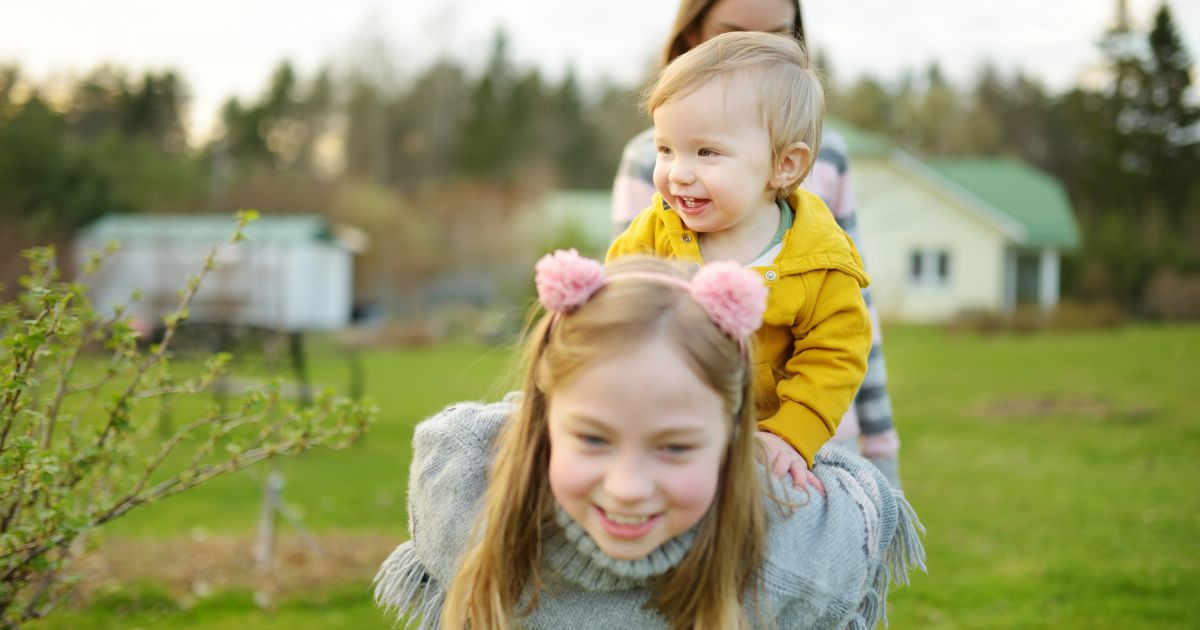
{"x": 793, "y": 162}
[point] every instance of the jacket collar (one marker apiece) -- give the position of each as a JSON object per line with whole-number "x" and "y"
{"x": 814, "y": 242}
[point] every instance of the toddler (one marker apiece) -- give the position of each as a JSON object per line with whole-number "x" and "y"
{"x": 737, "y": 123}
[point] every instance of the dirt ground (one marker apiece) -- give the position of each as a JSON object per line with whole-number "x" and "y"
{"x": 197, "y": 566}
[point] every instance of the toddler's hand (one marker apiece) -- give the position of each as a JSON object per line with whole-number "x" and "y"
{"x": 783, "y": 460}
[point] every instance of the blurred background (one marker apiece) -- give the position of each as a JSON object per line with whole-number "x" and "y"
{"x": 1029, "y": 203}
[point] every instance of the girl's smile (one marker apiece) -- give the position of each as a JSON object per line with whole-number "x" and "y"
{"x": 620, "y": 526}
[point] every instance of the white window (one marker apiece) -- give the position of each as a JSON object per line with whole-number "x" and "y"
{"x": 929, "y": 267}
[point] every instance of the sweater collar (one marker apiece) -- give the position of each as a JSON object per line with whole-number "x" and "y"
{"x": 573, "y": 555}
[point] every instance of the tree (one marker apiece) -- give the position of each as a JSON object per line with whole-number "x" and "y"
{"x": 574, "y": 154}
{"x": 1167, "y": 122}
{"x": 366, "y": 135}
{"x": 484, "y": 144}
{"x": 9, "y": 77}
{"x": 47, "y": 182}
{"x": 981, "y": 129}
{"x": 428, "y": 116}
{"x": 153, "y": 110}
{"x": 1131, "y": 149}
{"x": 279, "y": 130}
{"x": 868, "y": 104}
{"x": 930, "y": 122}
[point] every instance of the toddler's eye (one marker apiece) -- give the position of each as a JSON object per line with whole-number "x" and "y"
{"x": 664, "y": 151}
{"x": 677, "y": 449}
{"x": 706, "y": 153}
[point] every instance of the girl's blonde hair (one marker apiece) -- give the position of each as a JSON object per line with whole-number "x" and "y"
{"x": 720, "y": 573}
{"x": 791, "y": 100}
{"x": 690, "y": 17}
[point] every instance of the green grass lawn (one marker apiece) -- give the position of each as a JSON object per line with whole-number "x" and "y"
{"x": 1056, "y": 475}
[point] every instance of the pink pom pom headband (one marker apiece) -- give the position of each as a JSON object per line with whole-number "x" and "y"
{"x": 734, "y": 296}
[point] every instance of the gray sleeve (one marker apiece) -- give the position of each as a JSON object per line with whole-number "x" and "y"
{"x": 829, "y": 559}
{"x": 816, "y": 566}
{"x": 452, "y": 453}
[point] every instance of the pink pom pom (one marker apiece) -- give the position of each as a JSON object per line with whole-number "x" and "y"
{"x": 734, "y": 297}
{"x": 565, "y": 280}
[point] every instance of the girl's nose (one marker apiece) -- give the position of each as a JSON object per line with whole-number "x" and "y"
{"x": 628, "y": 481}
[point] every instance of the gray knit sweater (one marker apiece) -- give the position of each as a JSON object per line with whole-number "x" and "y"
{"x": 827, "y": 563}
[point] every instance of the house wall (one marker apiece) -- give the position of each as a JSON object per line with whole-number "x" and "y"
{"x": 318, "y": 294}
{"x": 899, "y": 213}
{"x": 282, "y": 286}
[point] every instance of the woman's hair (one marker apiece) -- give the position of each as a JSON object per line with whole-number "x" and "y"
{"x": 691, "y": 15}
{"x": 708, "y": 587}
{"x": 791, "y": 100}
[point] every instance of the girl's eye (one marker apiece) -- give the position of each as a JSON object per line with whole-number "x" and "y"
{"x": 664, "y": 151}
{"x": 706, "y": 153}
{"x": 592, "y": 440}
{"x": 677, "y": 449}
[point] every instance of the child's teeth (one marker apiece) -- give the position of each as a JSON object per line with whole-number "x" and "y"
{"x": 627, "y": 520}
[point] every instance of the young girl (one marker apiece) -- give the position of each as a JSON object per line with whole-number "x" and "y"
{"x": 867, "y": 424}
{"x": 737, "y": 121}
{"x": 620, "y": 489}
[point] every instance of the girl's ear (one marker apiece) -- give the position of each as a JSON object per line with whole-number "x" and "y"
{"x": 793, "y": 161}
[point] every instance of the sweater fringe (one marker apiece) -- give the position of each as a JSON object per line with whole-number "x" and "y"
{"x": 904, "y": 553}
{"x": 857, "y": 623}
{"x": 402, "y": 587}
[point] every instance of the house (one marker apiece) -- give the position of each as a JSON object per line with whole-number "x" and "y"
{"x": 289, "y": 273}
{"x": 952, "y": 235}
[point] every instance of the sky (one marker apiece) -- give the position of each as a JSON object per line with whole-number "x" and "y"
{"x": 228, "y": 48}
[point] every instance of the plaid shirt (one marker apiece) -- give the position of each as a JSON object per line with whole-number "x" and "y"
{"x": 871, "y": 414}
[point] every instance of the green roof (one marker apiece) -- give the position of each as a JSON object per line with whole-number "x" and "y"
{"x": 207, "y": 228}
{"x": 1033, "y": 198}
{"x": 1010, "y": 187}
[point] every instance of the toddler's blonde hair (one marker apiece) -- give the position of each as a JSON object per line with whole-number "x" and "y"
{"x": 791, "y": 100}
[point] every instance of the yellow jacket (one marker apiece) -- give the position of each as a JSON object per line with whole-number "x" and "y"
{"x": 811, "y": 352}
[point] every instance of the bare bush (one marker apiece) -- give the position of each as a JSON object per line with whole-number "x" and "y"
{"x": 90, "y": 426}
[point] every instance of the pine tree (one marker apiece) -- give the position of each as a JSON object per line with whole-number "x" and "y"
{"x": 1167, "y": 122}
{"x": 482, "y": 150}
